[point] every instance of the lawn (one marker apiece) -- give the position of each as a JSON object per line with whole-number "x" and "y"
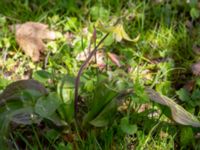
{"x": 105, "y": 75}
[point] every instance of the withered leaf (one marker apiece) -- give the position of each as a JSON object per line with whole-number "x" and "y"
{"x": 196, "y": 68}
{"x": 99, "y": 58}
{"x": 179, "y": 114}
{"x": 114, "y": 58}
{"x": 30, "y": 36}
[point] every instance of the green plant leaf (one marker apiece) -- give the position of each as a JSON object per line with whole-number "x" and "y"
{"x": 102, "y": 97}
{"x": 42, "y": 76}
{"x": 65, "y": 89}
{"x": 47, "y": 105}
{"x": 183, "y": 95}
{"x": 25, "y": 116}
{"x": 106, "y": 115}
{"x": 194, "y": 13}
{"x": 3, "y": 83}
{"x": 66, "y": 111}
{"x": 18, "y": 114}
{"x": 51, "y": 135}
{"x": 19, "y": 90}
{"x": 56, "y": 120}
{"x": 186, "y": 136}
{"x": 126, "y": 127}
{"x": 196, "y": 94}
{"x": 139, "y": 93}
{"x": 98, "y": 12}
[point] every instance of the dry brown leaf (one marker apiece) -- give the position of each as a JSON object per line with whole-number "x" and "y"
{"x": 115, "y": 59}
{"x": 189, "y": 85}
{"x": 30, "y": 36}
{"x": 196, "y": 68}
{"x": 100, "y": 58}
{"x": 179, "y": 114}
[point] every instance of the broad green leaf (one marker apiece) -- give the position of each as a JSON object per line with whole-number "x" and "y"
{"x": 186, "y": 136}
{"x": 139, "y": 93}
{"x": 102, "y": 97}
{"x": 66, "y": 111}
{"x": 179, "y": 114}
{"x": 194, "y": 13}
{"x": 196, "y": 95}
{"x": 18, "y": 91}
{"x": 106, "y": 115}
{"x": 98, "y": 12}
{"x": 25, "y": 116}
{"x": 164, "y": 87}
{"x": 56, "y": 120}
{"x": 109, "y": 40}
{"x": 18, "y": 114}
{"x": 51, "y": 135}
{"x": 42, "y": 76}
{"x": 89, "y": 85}
{"x": 65, "y": 89}
{"x": 71, "y": 24}
{"x": 2, "y": 20}
{"x": 183, "y": 95}
{"x": 3, "y": 83}
{"x": 126, "y": 127}
{"x": 47, "y": 105}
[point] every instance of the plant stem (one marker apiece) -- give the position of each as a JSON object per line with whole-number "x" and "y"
{"x": 80, "y": 72}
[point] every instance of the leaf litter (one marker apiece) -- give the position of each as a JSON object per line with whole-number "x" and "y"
{"x": 30, "y": 37}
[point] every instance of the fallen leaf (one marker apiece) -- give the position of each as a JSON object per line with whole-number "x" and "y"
{"x": 99, "y": 58}
{"x": 189, "y": 85}
{"x": 30, "y": 36}
{"x": 115, "y": 59}
{"x": 179, "y": 114}
{"x": 196, "y": 68}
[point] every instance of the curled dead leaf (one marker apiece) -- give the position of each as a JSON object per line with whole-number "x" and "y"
{"x": 179, "y": 114}
{"x": 30, "y": 36}
{"x": 114, "y": 58}
{"x": 99, "y": 58}
{"x": 189, "y": 85}
{"x": 196, "y": 68}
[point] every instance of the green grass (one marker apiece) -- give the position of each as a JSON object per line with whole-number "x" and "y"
{"x": 160, "y": 59}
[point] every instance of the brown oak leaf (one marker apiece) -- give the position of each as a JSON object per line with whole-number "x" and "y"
{"x": 30, "y": 36}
